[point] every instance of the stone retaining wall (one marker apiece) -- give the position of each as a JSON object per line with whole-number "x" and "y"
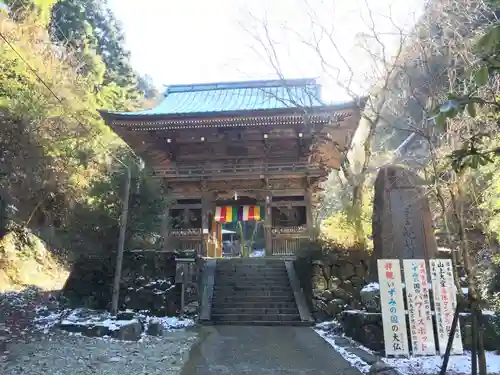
{"x": 148, "y": 284}
{"x": 333, "y": 283}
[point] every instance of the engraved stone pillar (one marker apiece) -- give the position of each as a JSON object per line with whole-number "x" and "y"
{"x": 402, "y": 222}
{"x": 268, "y": 221}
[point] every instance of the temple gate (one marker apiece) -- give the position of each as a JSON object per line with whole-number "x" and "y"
{"x": 258, "y": 145}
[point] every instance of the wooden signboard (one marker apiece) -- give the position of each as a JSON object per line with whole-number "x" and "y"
{"x": 393, "y": 312}
{"x": 445, "y": 303}
{"x": 419, "y": 307}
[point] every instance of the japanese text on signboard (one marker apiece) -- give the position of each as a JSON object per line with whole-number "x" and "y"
{"x": 393, "y": 314}
{"x": 445, "y": 302}
{"x": 419, "y": 308}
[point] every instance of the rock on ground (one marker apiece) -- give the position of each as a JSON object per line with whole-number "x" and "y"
{"x": 60, "y": 354}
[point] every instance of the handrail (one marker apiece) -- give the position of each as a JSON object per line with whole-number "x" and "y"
{"x": 251, "y": 168}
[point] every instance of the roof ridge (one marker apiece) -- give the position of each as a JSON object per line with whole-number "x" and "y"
{"x": 240, "y": 85}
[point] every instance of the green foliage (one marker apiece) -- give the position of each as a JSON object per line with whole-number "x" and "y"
{"x": 476, "y": 150}
{"x": 340, "y": 227}
{"x": 495, "y": 287}
{"x": 96, "y": 219}
{"x": 490, "y": 204}
{"x": 41, "y": 9}
{"x": 55, "y": 164}
{"x": 88, "y": 29}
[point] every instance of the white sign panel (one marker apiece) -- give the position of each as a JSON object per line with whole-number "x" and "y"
{"x": 419, "y": 307}
{"x": 393, "y": 311}
{"x": 445, "y": 303}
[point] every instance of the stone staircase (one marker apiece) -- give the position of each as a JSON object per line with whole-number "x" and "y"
{"x": 253, "y": 291}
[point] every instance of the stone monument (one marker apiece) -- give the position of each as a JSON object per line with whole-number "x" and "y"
{"x": 402, "y": 223}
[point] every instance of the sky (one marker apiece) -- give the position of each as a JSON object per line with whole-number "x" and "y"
{"x": 201, "y": 41}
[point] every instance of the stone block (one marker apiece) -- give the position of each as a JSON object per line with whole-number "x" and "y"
{"x": 128, "y": 332}
{"x": 335, "y": 307}
{"x": 365, "y": 328}
{"x": 97, "y": 331}
{"x": 155, "y": 328}
{"x": 370, "y": 298}
{"x": 327, "y": 296}
{"x": 334, "y": 283}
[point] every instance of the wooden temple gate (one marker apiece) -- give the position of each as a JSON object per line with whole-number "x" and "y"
{"x": 266, "y": 144}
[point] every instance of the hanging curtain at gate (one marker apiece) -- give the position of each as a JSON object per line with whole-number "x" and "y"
{"x": 247, "y": 213}
{"x": 229, "y": 214}
{"x": 226, "y": 214}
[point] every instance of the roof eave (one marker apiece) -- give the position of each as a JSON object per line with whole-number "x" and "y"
{"x": 109, "y": 116}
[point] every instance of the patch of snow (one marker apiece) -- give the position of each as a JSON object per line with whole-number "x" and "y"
{"x": 258, "y": 253}
{"x": 371, "y": 287}
{"x": 115, "y": 325}
{"x": 485, "y": 312}
{"x": 172, "y": 322}
{"x": 354, "y": 360}
{"x": 458, "y": 364}
{"x": 158, "y": 282}
{"x": 45, "y": 323}
{"x": 430, "y": 365}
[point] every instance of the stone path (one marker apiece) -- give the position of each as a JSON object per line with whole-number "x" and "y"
{"x": 61, "y": 354}
{"x": 255, "y": 350}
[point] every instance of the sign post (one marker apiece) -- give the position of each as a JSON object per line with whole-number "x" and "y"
{"x": 419, "y": 307}
{"x": 393, "y": 312}
{"x": 445, "y": 303}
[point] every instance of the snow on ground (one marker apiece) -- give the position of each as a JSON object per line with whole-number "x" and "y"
{"x": 47, "y": 320}
{"x": 59, "y": 353}
{"x": 36, "y": 347}
{"x": 354, "y": 360}
{"x": 457, "y": 365}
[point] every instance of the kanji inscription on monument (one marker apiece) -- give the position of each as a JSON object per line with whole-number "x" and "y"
{"x": 402, "y": 223}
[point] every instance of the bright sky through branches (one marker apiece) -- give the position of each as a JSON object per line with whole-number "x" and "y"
{"x": 197, "y": 41}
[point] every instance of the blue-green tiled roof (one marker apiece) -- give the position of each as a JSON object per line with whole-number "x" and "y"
{"x": 236, "y": 96}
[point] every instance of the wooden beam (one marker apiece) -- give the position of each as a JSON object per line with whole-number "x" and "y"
{"x": 189, "y": 205}
{"x": 289, "y": 203}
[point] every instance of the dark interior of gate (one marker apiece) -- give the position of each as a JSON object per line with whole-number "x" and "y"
{"x": 240, "y": 155}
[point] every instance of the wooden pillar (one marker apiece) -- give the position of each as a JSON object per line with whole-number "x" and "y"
{"x": 268, "y": 222}
{"x": 206, "y": 208}
{"x": 165, "y": 230}
{"x": 218, "y": 248}
{"x": 309, "y": 214}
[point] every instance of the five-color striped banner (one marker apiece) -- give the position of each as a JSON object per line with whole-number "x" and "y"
{"x": 229, "y": 214}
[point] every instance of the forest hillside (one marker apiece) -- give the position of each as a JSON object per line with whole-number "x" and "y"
{"x": 61, "y": 168}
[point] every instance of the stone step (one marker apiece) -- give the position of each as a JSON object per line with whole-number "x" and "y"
{"x": 250, "y": 260}
{"x": 251, "y": 288}
{"x": 256, "y": 317}
{"x": 262, "y": 323}
{"x": 253, "y": 310}
{"x": 256, "y": 276}
{"x": 271, "y": 273}
{"x": 248, "y": 271}
{"x": 251, "y": 299}
{"x": 253, "y": 293}
{"x": 256, "y": 304}
{"x": 244, "y": 281}
{"x": 250, "y": 264}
